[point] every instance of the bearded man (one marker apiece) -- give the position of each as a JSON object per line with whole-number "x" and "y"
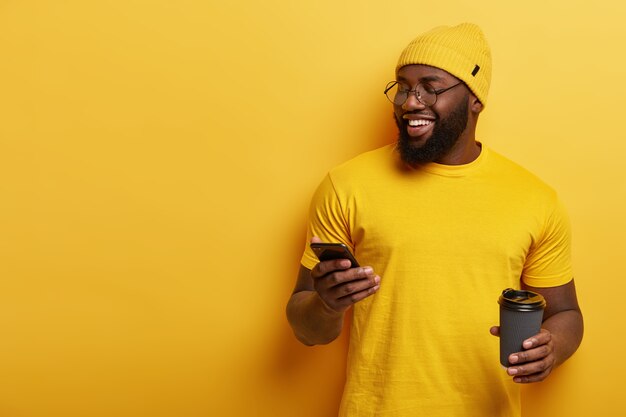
{"x": 441, "y": 224}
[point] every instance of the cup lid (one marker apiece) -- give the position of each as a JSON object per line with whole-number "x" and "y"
{"x": 521, "y": 300}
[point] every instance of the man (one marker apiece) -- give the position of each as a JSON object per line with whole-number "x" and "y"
{"x": 442, "y": 224}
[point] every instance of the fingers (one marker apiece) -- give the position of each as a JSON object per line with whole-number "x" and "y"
{"x": 536, "y": 377}
{"x": 340, "y": 286}
{"x": 537, "y": 347}
{"x": 536, "y": 362}
{"x": 340, "y": 297}
{"x": 348, "y": 281}
{"x": 540, "y": 338}
{"x": 495, "y": 331}
{"x": 327, "y": 267}
{"x": 532, "y": 371}
{"x": 358, "y": 290}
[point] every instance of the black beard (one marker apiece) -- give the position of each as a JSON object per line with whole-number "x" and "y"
{"x": 444, "y": 136}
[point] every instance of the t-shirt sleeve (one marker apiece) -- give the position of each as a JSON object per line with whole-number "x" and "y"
{"x": 549, "y": 261}
{"x": 327, "y": 221}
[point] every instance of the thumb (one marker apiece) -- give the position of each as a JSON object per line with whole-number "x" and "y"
{"x": 316, "y": 239}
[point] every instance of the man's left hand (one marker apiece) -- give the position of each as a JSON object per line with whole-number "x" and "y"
{"x": 535, "y": 362}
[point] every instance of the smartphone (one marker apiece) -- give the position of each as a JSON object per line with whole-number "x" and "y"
{"x": 330, "y": 251}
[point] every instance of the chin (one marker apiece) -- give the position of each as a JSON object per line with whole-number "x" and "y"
{"x": 437, "y": 143}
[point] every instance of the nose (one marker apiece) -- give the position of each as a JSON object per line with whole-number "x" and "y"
{"x": 412, "y": 103}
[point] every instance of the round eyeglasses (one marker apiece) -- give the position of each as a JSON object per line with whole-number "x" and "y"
{"x": 398, "y": 93}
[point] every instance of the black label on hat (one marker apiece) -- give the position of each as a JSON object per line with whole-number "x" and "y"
{"x": 476, "y": 68}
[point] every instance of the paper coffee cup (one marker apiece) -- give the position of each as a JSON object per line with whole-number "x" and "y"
{"x": 521, "y": 315}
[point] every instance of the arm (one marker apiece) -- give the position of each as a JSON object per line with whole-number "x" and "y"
{"x": 312, "y": 321}
{"x": 317, "y": 306}
{"x": 560, "y": 336}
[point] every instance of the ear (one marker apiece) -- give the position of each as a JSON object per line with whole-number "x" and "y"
{"x": 475, "y": 105}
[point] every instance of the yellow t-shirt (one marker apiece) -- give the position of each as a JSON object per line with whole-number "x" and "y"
{"x": 446, "y": 240}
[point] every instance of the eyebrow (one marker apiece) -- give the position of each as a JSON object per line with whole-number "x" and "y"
{"x": 426, "y": 78}
{"x": 431, "y": 78}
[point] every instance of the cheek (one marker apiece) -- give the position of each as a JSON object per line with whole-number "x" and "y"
{"x": 442, "y": 106}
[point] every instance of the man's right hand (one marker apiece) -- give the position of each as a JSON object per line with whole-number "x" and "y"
{"x": 317, "y": 306}
{"x": 340, "y": 286}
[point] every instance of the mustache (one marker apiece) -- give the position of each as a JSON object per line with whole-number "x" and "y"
{"x": 420, "y": 113}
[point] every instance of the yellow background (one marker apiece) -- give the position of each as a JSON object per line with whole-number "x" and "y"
{"x": 156, "y": 163}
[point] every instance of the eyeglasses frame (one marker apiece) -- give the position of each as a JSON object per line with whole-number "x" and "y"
{"x": 392, "y": 84}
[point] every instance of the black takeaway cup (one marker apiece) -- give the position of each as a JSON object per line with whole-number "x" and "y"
{"x": 521, "y": 314}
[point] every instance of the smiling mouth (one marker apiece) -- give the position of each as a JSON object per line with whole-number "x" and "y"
{"x": 418, "y": 129}
{"x": 419, "y": 122}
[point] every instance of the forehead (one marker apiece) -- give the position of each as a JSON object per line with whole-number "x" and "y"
{"x": 420, "y": 73}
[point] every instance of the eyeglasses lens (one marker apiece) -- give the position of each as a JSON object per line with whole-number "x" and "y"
{"x": 398, "y": 93}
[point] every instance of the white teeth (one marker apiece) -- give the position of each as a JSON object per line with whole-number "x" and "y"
{"x": 419, "y": 122}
